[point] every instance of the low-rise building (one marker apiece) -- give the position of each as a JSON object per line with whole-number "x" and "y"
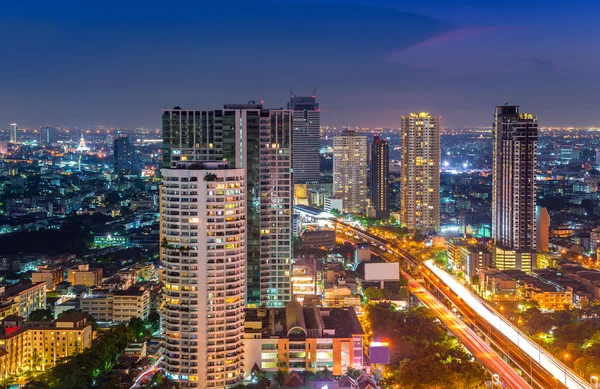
{"x": 319, "y": 239}
{"x": 22, "y": 298}
{"x": 40, "y": 345}
{"x": 117, "y": 306}
{"x": 494, "y": 285}
{"x": 50, "y": 274}
{"x": 83, "y": 275}
{"x": 299, "y": 339}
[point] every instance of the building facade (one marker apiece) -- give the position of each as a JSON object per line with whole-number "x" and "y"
{"x": 13, "y": 133}
{"x": 350, "y": 171}
{"x": 420, "y": 172}
{"x": 83, "y": 275}
{"x": 303, "y": 339}
{"x": 117, "y": 306}
{"x": 259, "y": 141}
{"x": 514, "y": 223}
{"x": 306, "y": 138}
{"x": 125, "y": 158}
{"x": 203, "y": 239}
{"x": 380, "y": 161}
{"x": 39, "y": 345}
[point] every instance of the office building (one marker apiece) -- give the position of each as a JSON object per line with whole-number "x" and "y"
{"x": 126, "y": 162}
{"x": 303, "y": 339}
{"x": 420, "y": 172}
{"x": 38, "y": 346}
{"x": 350, "y": 171}
{"x": 13, "y": 133}
{"x": 513, "y": 189}
{"x": 380, "y": 160}
{"x": 83, "y": 275}
{"x": 3, "y": 148}
{"x": 259, "y": 141}
{"x": 306, "y": 138}
{"x": 203, "y": 242}
{"x": 48, "y": 135}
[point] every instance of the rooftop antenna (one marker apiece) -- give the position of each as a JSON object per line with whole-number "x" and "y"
{"x": 314, "y": 92}
{"x": 291, "y": 91}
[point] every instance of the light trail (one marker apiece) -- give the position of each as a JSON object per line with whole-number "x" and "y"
{"x": 560, "y": 372}
{"x": 481, "y": 350}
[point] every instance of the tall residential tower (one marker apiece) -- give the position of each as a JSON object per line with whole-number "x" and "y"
{"x": 203, "y": 254}
{"x": 513, "y": 188}
{"x": 420, "y": 172}
{"x": 350, "y": 171}
{"x": 380, "y": 160}
{"x": 307, "y": 138}
{"x": 125, "y": 158}
{"x": 13, "y": 133}
{"x": 259, "y": 141}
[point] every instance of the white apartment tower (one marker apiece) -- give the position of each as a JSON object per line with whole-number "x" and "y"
{"x": 420, "y": 172}
{"x": 203, "y": 237}
{"x": 350, "y": 171}
{"x": 13, "y": 133}
{"x": 513, "y": 189}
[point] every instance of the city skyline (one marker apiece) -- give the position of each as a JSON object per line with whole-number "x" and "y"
{"x": 109, "y": 66}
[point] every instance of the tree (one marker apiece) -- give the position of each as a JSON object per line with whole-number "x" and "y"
{"x": 138, "y": 328}
{"x": 353, "y": 373}
{"x": 373, "y": 293}
{"x": 280, "y": 376}
{"x": 36, "y": 360}
{"x": 41, "y": 315}
{"x": 160, "y": 381}
{"x": 112, "y": 198}
{"x": 154, "y": 321}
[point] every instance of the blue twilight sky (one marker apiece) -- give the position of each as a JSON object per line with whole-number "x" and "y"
{"x": 118, "y": 63}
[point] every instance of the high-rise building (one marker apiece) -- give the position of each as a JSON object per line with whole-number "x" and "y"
{"x": 259, "y": 141}
{"x": 13, "y": 133}
{"x": 350, "y": 171}
{"x": 126, "y": 162}
{"x": 306, "y": 139}
{"x": 420, "y": 172}
{"x": 48, "y": 135}
{"x": 3, "y": 148}
{"x": 513, "y": 189}
{"x": 203, "y": 237}
{"x": 380, "y": 160}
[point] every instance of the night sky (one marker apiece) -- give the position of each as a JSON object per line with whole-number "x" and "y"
{"x": 118, "y": 63}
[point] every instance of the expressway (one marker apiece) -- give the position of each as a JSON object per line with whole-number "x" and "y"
{"x": 545, "y": 371}
{"x": 480, "y": 350}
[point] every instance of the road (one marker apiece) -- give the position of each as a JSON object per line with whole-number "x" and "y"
{"x": 545, "y": 371}
{"x": 482, "y": 352}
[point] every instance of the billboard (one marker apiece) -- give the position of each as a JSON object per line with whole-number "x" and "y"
{"x": 379, "y": 353}
{"x": 382, "y": 271}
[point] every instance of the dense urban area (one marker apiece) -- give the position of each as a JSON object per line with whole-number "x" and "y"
{"x": 254, "y": 248}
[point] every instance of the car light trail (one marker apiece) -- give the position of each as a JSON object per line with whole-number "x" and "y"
{"x": 560, "y": 372}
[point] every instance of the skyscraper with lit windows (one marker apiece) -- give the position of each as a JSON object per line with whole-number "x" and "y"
{"x": 203, "y": 225}
{"x": 380, "y": 160}
{"x": 259, "y": 141}
{"x": 306, "y": 139}
{"x": 350, "y": 171}
{"x": 420, "y": 172}
{"x": 513, "y": 188}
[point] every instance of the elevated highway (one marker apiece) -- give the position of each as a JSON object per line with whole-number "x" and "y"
{"x": 543, "y": 370}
